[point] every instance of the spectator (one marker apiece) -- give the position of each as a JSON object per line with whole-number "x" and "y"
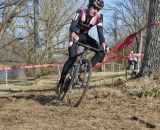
{"x": 132, "y": 61}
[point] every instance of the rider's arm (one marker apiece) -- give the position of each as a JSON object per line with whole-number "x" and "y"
{"x": 75, "y": 19}
{"x": 100, "y": 30}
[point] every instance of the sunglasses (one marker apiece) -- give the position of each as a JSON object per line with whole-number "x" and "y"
{"x": 96, "y": 8}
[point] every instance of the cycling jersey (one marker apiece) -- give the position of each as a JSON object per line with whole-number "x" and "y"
{"x": 82, "y": 23}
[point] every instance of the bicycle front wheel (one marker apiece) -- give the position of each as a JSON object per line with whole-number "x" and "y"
{"x": 79, "y": 83}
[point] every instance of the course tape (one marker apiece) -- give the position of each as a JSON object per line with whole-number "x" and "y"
{"x": 129, "y": 39}
{"x": 107, "y": 58}
{"x": 31, "y": 66}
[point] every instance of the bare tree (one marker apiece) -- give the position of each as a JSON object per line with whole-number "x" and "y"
{"x": 17, "y": 29}
{"x": 151, "y": 61}
{"x": 131, "y": 16}
{"x": 36, "y": 35}
{"x": 8, "y": 13}
{"x": 9, "y": 10}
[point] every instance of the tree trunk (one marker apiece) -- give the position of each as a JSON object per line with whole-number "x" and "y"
{"x": 151, "y": 61}
{"x": 36, "y": 36}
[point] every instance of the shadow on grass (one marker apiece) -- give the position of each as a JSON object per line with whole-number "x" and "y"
{"x": 43, "y": 97}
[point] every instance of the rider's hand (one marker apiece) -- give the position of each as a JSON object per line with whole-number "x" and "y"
{"x": 105, "y": 48}
{"x": 75, "y": 38}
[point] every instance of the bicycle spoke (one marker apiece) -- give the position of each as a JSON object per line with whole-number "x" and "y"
{"x": 79, "y": 87}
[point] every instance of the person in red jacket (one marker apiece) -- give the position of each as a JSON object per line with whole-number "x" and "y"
{"x": 81, "y": 23}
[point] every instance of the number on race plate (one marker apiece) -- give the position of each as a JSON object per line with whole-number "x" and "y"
{"x": 75, "y": 16}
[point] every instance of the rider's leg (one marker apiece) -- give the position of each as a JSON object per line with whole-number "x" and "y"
{"x": 98, "y": 57}
{"x": 66, "y": 68}
{"x": 68, "y": 64}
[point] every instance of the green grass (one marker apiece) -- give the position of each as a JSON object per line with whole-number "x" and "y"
{"x": 101, "y": 78}
{"x": 49, "y": 82}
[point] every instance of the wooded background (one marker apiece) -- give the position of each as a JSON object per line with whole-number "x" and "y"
{"x": 36, "y": 31}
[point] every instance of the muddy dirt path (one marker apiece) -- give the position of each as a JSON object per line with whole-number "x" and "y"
{"x": 105, "y": 108}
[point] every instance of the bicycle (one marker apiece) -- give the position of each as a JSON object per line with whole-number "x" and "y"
{"x": 77, "y": 80}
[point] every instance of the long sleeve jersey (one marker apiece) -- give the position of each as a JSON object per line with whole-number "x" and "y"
{"x": 81, "y": 23}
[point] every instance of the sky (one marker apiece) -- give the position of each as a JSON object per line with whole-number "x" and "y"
{"x": 108, "y": 1}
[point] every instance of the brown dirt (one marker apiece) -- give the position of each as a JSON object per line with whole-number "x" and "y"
{"x": 106, "y": 107}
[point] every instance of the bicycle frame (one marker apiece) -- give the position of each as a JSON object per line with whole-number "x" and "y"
{"x": 77, "y": 66}
{"x": 82, "y": 56}
{"x": 78, "y": 86}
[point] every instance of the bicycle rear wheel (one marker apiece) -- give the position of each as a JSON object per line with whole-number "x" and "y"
{"x": 79, "y": 83}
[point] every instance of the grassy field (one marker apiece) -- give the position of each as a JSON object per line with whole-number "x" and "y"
{"x": 49, "y": 82}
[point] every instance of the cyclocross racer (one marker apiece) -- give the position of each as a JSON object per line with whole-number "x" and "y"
{"x": 81, "y": 23}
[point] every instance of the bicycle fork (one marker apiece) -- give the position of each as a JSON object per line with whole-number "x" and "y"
{"x": 74, "y": 78}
